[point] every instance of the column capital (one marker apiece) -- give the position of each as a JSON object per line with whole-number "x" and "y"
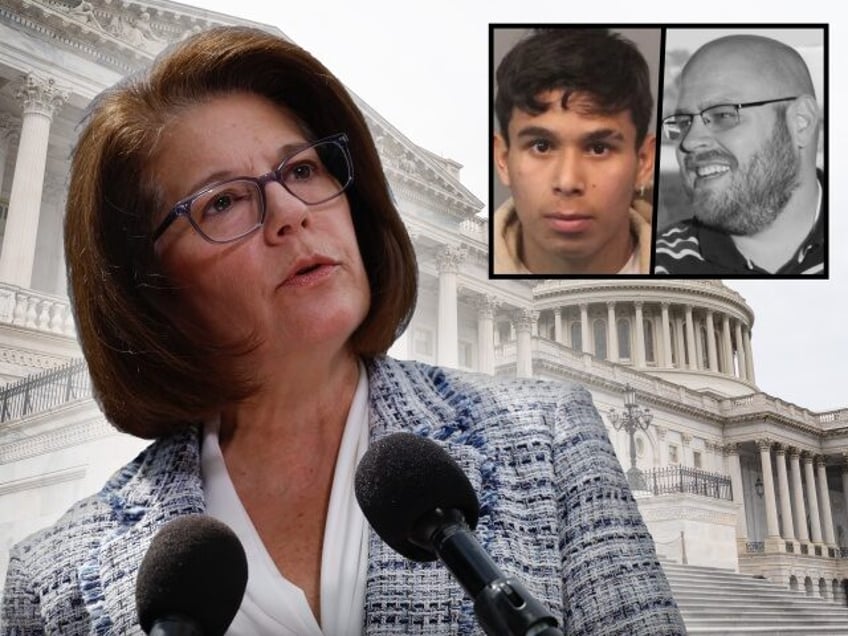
{"x": 524, "y": 319}
{"x": 661, "y": 431}
{"x": 583, "y": 306}
{"x": 486, "y": 305}
{"x": 807, "y": 456}
{"x": 731, "y": 448}
{"x": 780, "y": 448}
{"x": 665, "y": 305}
{"x": 821, "y": 461}
{"x": 685, "y": 439}
{"x": 611, "y": 304}
{"x": 638, "y": 304}
{"x": 40, "y": 95}
{"x": 449, "y": 258}
{"x": 794, "y": 452}
{"x": 557, "y": 311}
{"x": 764, "y": 444}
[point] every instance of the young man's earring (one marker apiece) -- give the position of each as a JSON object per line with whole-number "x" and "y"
{"x": 642, "y": 191}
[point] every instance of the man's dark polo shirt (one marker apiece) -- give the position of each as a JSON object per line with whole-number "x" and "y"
{"x": 692, "y": 249}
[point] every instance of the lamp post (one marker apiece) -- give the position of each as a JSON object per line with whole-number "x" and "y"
{"x": 634, "y": 418}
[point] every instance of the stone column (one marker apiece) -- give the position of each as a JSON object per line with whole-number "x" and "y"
{"x": 41, "y": 99}
{"x": 585, "y": 335}
{"x": 663, "y": 448}
{"x": 812, "y": 498}
{"x": 558, "y": 325}
{"x": 845, "y": 484}
{"x": 448, "y": 260}
{"x": 788, "y": 530}
{"x": 798, "y": 505}
{"x": 824, "y": 502}
{"x": 712, "y": 355}
{"x": 486, "y": 306}
{"x": 612, "y": 333}
{"x": 749, "y": 358}
{"x": 727, "y": 345}
{"x": 740, "y": 351}
{"x": 666, "y": 336}
{"x": 524, "y": 319}
{"x": 680, "y": 344}
{"x": 768, "y": 488}
{"x": 732, "y": 451}
{"x": 640, "y": 335}
{"x": 688, "y": 459}
{"x": 9, "y": 127}
{"x": 690, "y": 339}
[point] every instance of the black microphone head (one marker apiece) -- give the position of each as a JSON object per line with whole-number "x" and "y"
{"x": 403, "y": 477}
{"x": 195, "y": 568}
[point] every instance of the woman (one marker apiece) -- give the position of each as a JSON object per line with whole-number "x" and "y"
{"x": 241, "y": 320}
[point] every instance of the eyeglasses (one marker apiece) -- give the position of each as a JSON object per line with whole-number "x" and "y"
{"x": 230, "y": 210}
{"x": 716, "y": 118}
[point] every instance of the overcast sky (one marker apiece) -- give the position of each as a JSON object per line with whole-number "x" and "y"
{"x": 424, "y": 67}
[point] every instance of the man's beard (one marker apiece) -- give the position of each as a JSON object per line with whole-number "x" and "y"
{"x": 757, "y": 193}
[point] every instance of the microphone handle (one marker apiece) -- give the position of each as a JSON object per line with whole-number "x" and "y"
{"x": 175, "y": 625}
{"x": 503, "y": 605}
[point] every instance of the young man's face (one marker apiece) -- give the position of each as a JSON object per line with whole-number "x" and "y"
{"x": 572, "y": 174}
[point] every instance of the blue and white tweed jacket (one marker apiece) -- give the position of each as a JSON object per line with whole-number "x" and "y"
{"x": 556, "y": 513}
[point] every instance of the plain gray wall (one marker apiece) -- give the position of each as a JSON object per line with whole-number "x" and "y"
{"x": 646, "y": 40}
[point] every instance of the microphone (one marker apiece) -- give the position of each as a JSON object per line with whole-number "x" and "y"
{"x": 419, "y": 501}
{"x": 192, "y": 579}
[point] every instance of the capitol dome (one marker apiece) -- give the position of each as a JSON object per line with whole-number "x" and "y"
{"x": 694, "y": 333}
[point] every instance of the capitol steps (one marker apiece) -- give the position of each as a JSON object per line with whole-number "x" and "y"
{"x": 716, "y": 601}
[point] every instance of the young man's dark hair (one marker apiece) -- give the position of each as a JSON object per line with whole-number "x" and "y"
{"x": 605, "y": 65}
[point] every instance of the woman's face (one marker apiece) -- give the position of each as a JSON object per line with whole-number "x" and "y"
{"x": 298, "y": 282}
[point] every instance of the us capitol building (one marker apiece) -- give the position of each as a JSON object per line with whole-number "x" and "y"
{"x": 725, "y": 475}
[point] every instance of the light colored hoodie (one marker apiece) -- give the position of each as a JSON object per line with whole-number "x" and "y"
{"x": 507, "y": 240}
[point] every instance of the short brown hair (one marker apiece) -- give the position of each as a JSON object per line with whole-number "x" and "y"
{"x": 149, "y": 373}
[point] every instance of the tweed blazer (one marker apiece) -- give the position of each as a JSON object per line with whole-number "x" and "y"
{"x": 556, "y": 512}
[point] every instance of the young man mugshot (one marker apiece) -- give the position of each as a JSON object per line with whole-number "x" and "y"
{"x": 573, "y": 108}
{"x": 745, "y": 129}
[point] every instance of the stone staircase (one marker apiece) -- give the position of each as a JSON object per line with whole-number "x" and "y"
{"x": 715, "y": 601}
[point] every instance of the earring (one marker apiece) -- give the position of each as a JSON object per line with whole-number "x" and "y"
{"x": 642, "y": 191}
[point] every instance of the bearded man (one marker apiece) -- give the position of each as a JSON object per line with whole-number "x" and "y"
{"x": 746, "y": 128}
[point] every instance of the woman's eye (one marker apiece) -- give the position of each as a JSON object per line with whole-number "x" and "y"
{"x": 221, "y": 203}
{"x": 301, "y": 172}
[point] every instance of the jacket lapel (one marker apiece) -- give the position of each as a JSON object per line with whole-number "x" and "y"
{"x": 402, "y": 594}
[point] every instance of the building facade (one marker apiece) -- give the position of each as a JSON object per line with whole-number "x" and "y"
{"x": 731, "y": 476}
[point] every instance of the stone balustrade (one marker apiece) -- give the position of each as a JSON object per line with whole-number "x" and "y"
{"x": 36, "y": 310}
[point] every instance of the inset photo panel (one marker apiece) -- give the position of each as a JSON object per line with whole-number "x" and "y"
{"x": 743, "y": 153}
{"x": 574, "y": 134}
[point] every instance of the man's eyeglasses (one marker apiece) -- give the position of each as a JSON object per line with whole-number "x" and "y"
{"x": 230, "y": 210}
{"x": 716, "y": 118}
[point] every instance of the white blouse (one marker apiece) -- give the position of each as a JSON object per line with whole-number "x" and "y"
{"x": 273, "y": 605}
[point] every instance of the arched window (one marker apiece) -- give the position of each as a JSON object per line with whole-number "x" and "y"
{"x": 599, "y": 334}
{"x": 623, "y": 325}
{"x": 650, "y": 355}
{"x": 576, "y": 336}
